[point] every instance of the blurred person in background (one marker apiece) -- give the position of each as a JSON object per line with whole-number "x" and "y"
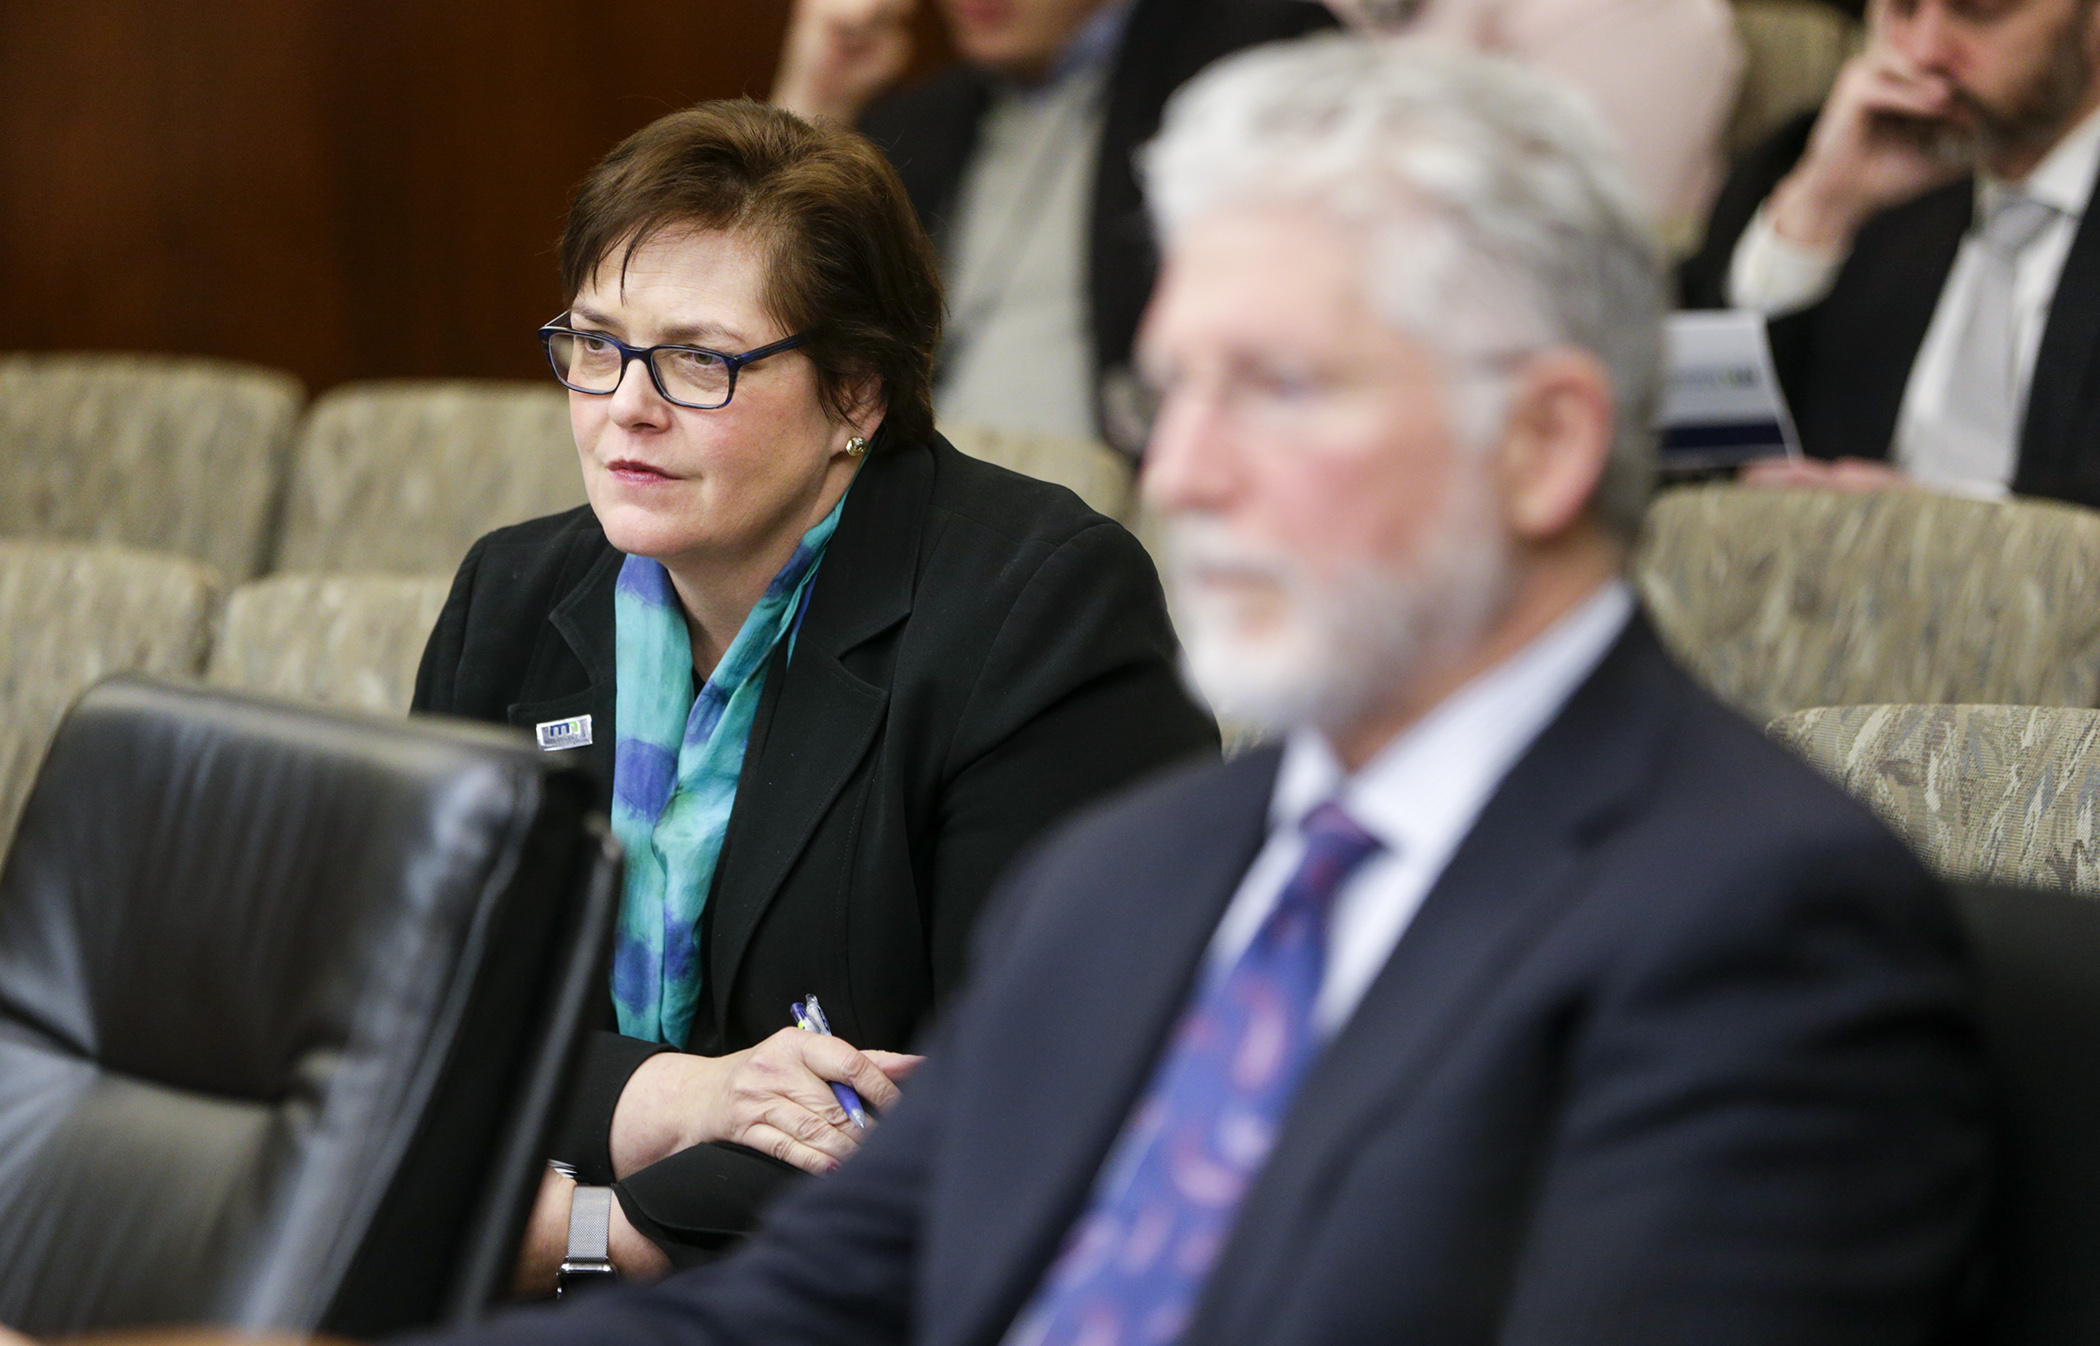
{"x": 831, "y": 673}
{"x": 1523, "y": 993}
{"x": 1020, "y": 162}
{"x": 1663, "y": 72}
{"x": 1925, "y": 249}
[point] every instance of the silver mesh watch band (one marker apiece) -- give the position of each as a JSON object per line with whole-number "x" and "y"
{"x": 590, "y": 1225}
{"x": 589, "y": 1260}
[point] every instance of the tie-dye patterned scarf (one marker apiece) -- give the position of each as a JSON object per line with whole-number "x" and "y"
{"x": 675, "y": 769}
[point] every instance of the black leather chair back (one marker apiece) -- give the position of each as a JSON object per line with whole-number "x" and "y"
{"x": 2039, "y": 956}
{"x": 286, "y": 999}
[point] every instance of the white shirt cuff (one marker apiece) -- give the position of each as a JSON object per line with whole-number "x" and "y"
{"x": 1772, "y": 276}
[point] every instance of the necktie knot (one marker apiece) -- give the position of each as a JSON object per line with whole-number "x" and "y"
{"x": 1335, "y": 844}
{"x": 2014, "y": 222}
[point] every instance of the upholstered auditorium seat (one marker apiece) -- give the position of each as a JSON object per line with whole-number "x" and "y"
{"x": 285, "y": 999}
{"x": 402, "y": 475}
{"x": 154, "y": 451}
{"x": 1780, "y": 599}
{"x": 1986, "y": 794}
{"x": 1094, "y": 472}
{"x": 1792, "y": 50}
{"x": 336, "y": 640}
{"x": 72, "y": 614}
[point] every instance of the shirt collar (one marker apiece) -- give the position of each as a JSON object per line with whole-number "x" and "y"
{"x": 1435, "y": 777}
{"x": 2064, "y": 178}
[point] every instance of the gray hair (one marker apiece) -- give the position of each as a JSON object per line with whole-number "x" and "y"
{"x": 1500, "y": 216}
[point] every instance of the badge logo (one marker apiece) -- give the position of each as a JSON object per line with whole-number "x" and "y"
{"x": 555, "y": 735}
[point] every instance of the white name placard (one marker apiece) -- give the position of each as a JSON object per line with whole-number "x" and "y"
{"x": 1722, "y": 402}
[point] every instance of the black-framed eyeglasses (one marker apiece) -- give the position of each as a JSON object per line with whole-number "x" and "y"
{"x": 686, "y": 376}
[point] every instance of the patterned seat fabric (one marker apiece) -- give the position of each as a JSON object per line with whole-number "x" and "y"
{"x": 178, "y": 455}
{"x": 403, "y": 475}
{"x": 349, "y": 641}
{"x": 1784, "y": 599}
{"x": 1094, "y": 472}
{"x": 1792, "y": 51}
{"x": 1986, "y": 794}
{"x": 74, "y": 614}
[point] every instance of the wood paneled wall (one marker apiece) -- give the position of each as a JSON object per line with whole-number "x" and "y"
{"x": 341, "y": 188}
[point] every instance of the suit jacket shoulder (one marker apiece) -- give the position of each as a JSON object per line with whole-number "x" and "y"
{"x": 493, "y": 636}
{"x": 1703, "y": 278}
{"x": 928, "y": 132}
{"x": 1019, "y": 507}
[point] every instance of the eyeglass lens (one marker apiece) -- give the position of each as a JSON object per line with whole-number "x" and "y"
{"x": 594, "y": 365}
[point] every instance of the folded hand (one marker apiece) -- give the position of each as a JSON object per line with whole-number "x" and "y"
{"x": 775, "y": 1098}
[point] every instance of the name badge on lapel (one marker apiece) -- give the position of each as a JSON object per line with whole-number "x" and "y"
{"x": 558, "y": 734}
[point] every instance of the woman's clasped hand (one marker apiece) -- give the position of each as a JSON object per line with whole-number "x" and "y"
{"x": 774, "y": 1097}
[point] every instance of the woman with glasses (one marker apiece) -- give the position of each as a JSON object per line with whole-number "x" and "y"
{"x": 832, "y": 674}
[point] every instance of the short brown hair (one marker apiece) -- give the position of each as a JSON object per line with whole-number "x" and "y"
{"x": 848, "y": 263}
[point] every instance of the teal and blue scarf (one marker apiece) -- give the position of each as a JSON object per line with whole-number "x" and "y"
{"x": 675, "y": 769}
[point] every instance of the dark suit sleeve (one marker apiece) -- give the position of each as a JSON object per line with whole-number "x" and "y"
{"x": 834, "y": 1265}
{"x": 1703, "y": 279}
{"x": 1773, "y": 1125}
{"x": 1078, "y": 698}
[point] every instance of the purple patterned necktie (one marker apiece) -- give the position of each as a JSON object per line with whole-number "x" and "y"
{"x": 1163, "y": 1205}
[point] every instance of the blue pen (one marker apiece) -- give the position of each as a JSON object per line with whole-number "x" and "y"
{"x": 809, "y": 1016}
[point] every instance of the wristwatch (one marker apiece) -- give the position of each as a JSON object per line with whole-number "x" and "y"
{"x": 589, "y": 1261}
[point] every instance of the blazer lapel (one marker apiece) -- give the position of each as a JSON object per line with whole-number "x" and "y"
{"x": 1846, "y": 362}
{"x": 2049, "y": 453}
{"x": 1517, "y": 870}
{"x": 820, "y": 725}
{"x": 585, "y": 621}
{"x": 1076, "y": 1031}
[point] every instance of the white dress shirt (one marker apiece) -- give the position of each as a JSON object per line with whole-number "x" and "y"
{"x": 1419, "y": 796}
{"x": 1773, "y": 276}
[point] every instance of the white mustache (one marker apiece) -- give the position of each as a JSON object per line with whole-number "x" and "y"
{"x": 1201, "y": 548}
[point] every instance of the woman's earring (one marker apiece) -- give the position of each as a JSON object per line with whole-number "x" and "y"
{"x": 856, "y": 446}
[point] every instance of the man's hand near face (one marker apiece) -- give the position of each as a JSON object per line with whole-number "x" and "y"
{"x": 1881, "y": 140}
{"x": 840, "y": 54}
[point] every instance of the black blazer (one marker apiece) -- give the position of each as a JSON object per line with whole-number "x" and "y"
{"x": 930, "y": 131}
{"x": 981, "y": 655}
{"x": 1678, "y": 1049}
{"x": 1846, "y": 361}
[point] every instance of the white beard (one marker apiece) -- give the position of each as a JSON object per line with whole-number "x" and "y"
{"x": 1328, "y": 655}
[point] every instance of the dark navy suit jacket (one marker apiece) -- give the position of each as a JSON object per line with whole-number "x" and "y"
{"x": 1677, "y": 1050}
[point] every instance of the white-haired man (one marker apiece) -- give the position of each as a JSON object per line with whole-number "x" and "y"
{"x": 1521, "y": 994}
